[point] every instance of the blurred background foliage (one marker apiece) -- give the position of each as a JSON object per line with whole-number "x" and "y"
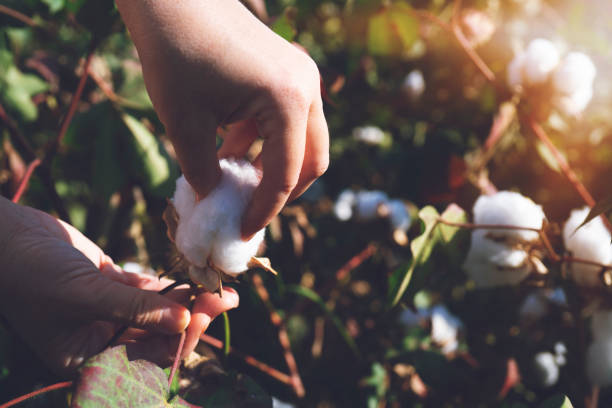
{"x": 111, "y": 173}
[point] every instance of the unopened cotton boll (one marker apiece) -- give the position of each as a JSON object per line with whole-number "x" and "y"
{"x": 209, "y": 230}
{"x": 368, "y": 202}
{"x": 590, "y": 242}
{"x": 445, "y": 328}
{"x": 343, "y": 208}
{"x": 575, "y": 73}
{"x": 541, "y": 58}
{"x": 546, "y": 369}
{"x": 399, "y": 217}
{"x": 599, "y": 362}
{"x": 369, "y": 134}
{"x": 509, "y": 208}
{"x": 414, "y": 84}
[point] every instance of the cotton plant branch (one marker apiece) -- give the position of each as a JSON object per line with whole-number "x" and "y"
{"x": 18, "y": 16}
{"x": 53, "y": 387}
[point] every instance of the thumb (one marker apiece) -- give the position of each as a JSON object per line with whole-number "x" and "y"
{"x": 116, "y": 302}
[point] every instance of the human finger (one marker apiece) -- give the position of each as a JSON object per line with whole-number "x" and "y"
{"x": 237, "y": 139}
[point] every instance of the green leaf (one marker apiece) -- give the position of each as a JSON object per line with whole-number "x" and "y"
{"x": 109, "y": 379}
{"x": 314, "y": 297}
{"x": 380, "y": 36}
{"x": 392, "y": 30}
{"x": 55, "y": 5}
{"x": 557, "y": 401}
{"x": 404, "y": 24}
{"x": 601, "y": 207}
{"x": 378, "y": 379}
{"x": 284, "y": 26}
{"x": 421, "y": 247}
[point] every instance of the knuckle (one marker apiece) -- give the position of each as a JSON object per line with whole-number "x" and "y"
{"x": 141, "y": 314}
{"x": 319, "y": 167}
{"x": 286, "y": 186}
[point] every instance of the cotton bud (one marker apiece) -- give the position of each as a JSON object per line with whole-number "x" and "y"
{"x": 371, "y": 135}
{"x": 541, "y": 58}
{"x": 343, "y": 208}
{"x": 414, "y": 85}
{"x": 445, "y": 328}
{"x": 514, "y": 73}
{"x": 208, "y": 231}
{"x": 477, "y": 26}
{"x": 546, "y": 369}
{"x": 497, "y": 256}
{"x": 368, "y": 203}
{"x": 590, "y": 242}
{"x": 599, "y": 362}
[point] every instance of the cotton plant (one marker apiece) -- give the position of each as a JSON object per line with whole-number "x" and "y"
{"x": 547, "y": 365}
{"x": 371, "y": 135}
{"x": 567, "y": 81}
{"x": 499, "y": 257}
{"x": 444, "y": 326}
{"x": 590, "y": 242}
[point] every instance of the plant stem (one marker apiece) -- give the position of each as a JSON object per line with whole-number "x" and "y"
{"x": 226, "y": 327}
{"x": 33, "y": 394}
{"x": 23, "y": 184}
{"x": 177, "y": 357}
{"x": 17, "y": 15}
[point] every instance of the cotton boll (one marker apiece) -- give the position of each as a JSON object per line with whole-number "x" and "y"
{"x": 599, "y": 362}
{"x": 546, "y": 369}
{"x": 533, "y": 308}
{"x": 212, "y": 231}
{"x": 509, "y": 208}
{"x": 514, "y": 72}
{"x": 368, "y": 202}
{"x": 343, "y": 208}
{"x": 184, "y": 199}
{"x": 601, "y": 325}
{"x": 414, "y": 85}
{"x": 575, "y": 73}
{"x": 590, "y": 242}
{"x": 574, "y": 104}
{"x": 369, "y": 134}
{"x": 541, "y": 58}
{"x": 399, "y": 217}
{"x": 444, "y": 328}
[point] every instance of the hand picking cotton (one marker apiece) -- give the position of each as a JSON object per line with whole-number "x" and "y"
{"x": 208, "y": 231}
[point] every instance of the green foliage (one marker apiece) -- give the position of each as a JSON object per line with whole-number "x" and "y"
{"x": 557, "y": 401}
{"x": 284, "y": 26}
{"x": 392, "y": 30}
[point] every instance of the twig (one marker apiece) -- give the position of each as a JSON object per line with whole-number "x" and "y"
{"x": 565, "y": 168}
{"x": 18, "y": 16}
{"x": 252, "y": 361}
{"x": 177, "y": 357}
{"x": 283, "y": 337}
{"x": 468, "y": 225}
{"x": 33, "y": 394}
{"x": 26, "y": 178}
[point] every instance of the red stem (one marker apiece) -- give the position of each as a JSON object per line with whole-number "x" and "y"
{"x": 272, "y": 372}
{"x": 177, "y": 357}
{"x": 565, "y": 168}
{"x": 33, "y": 394}
{"x": 23, "y": 184}
{"x": 17, "y": 15}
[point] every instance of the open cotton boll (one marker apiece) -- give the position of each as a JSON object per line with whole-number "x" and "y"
{"x": 414, "y": 84}
{"x": 575, "y": 72}
{"x": 445, "y": 328}
{"x": 514, "y": 72}
{"x": 599, "y": 362}
{"x": 590, "y": 242}
{"x": 399, "y": 217}
{"x": 541, "y": 58}
{"x": 367, "y": 203}
{"x": 546, "y": 368}
{"x": 509, "y": 208}
{"x": 574, "y": 104}
{"x": 369, "y": 134}
{"x": 343, "y": 208}
{"x": 601, "y": 325}
{"x": 210, "y": 229}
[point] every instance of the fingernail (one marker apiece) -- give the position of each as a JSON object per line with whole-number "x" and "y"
{"x": 175, "y": 319}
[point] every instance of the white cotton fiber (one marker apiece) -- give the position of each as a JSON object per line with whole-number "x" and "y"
{"x": 546, "y": 368}
{"x": 445, "y": 328}
{"x": 210, "y": 228}
{"x": 367, "y": 203}
{"x": 399, "y": 217}
{"x": 575, "y": 73}
{"x": 514, "y": 73}
{"x": 590, "y": 242}
{"x": 369, "y": 134}
{"x": 534, "y": 307}
{"x": 343, "y": 208}
{"x": 541, "y": 58}
{"x": 414, "y": 84}
{"x": 509, "y": 208}
{"x": 599, "y": 362}
{"x": 573, "y": 104}
{"x": 601, "y": 325}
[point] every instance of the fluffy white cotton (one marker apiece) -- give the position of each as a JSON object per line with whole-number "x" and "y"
{"x": 509, "y": 208}
{"x": 575, "y": 73}
{"x": 445, "y": 328}
{"x": 343, "y": 208}
{"x": 601, "y": 325}
{"x": 573, "y": 104}
{"x": 546, "y": 368}
{"x": 369, "y": 134}
{"x": 210, "y": 228}
{"x": 514, "y": 72}
{"x": 399, "y": 217}
{"x": 541, "y": 58}
{"x": 599, "y": 362}
{"x": 368, "y": 202}
{"x": 414, "y": 84}
{"x": 590, "y": 242}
